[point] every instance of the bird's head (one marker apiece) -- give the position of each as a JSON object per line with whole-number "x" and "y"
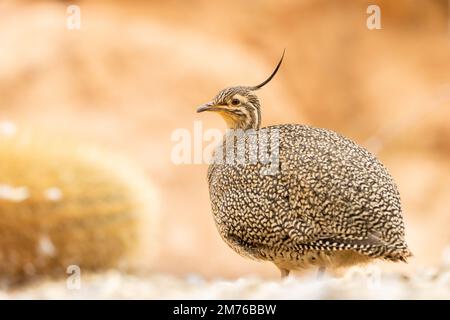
{"x": 239, "y": 106}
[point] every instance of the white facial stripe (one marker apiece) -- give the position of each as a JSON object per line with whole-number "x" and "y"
{"x": 256, "y": 113}
{"x": 249, "y": 115}
{"x": 243, "y": 99}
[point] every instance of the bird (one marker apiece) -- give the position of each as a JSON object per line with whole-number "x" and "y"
{"x": 324, "y": 202}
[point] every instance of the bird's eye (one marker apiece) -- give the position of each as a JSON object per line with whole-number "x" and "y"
{"x": 235, "y": 102}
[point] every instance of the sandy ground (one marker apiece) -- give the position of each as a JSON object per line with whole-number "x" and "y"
{"x": 355, "y": 284}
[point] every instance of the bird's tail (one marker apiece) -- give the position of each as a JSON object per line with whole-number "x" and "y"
{"x": 400, "y": 254}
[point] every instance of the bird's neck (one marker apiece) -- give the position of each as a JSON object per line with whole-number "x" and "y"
{"x": 243, "y": 124}
{"x": 250, "y": 119}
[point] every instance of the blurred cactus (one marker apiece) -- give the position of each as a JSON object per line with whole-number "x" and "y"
{"x": 64, "y": 204}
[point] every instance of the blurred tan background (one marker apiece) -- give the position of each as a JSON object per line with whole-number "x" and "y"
{"x": 135, "y": 72}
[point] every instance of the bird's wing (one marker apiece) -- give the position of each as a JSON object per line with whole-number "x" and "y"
{"x": 316, "y": 217}
{"x": 371, "y": 240}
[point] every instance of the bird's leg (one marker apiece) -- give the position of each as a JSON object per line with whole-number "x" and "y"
{"x": 284, "y": 272}
{"x": 320, "y": 272}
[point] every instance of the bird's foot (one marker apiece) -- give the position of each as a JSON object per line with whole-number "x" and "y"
{"x": 284, "y": 273}
{"x": 320, "y": 273}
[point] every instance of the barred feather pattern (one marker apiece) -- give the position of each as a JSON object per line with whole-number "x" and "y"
{"x": 328, "y": 198}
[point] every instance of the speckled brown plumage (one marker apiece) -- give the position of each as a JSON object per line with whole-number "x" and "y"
{"x": 330, "y": 202}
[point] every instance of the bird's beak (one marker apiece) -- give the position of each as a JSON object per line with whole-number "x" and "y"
{"x": 206, "y": 107}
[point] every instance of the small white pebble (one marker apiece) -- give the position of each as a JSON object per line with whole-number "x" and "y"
{"x": 7, "y": 128}
{"x": 10, "y": 193}
{"x": 46, "y": 247}
{"x": 53, "y": 194}
{"x": 426, "y": 273}
{"x": 194, "y": 279}
{"x": 444, "y": 279}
